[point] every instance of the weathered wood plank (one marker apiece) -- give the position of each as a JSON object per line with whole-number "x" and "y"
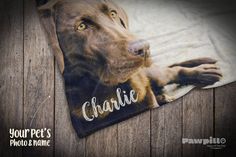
{"x": 11, "y": 72}
{"x": 225, "y": 118}
{"x": 166, "y": 130}
{"x": 197, "y": 121}
{"x": 102, "y": 143}
{"x": 38, "y": 79}
{"x": 158, "y": 132}
{"x": 67, "y": 144}
{"x": 134, "y": 136}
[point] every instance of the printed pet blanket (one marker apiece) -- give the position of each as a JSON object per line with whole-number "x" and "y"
{"x": 177, "y": 32}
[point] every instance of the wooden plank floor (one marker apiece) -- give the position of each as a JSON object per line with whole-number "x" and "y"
{"x": 32, "y": 96}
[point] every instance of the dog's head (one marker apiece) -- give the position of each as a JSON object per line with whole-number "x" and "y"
{"x": 92, "y": 36}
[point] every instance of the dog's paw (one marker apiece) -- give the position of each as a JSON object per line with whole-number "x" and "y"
{"x": 164, "y": 99}
{"x": 202, "y": 75}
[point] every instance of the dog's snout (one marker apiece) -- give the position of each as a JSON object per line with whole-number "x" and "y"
{"x": 139, "y": 47}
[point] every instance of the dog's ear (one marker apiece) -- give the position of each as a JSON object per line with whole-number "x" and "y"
{"x": 46, "y": 13}
{"x": 49, "y": 5}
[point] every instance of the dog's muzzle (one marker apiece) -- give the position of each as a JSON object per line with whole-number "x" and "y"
{"x": 139, "y": 48}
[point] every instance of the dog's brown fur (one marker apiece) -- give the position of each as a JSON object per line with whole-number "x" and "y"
{"x": 101, "y": 50}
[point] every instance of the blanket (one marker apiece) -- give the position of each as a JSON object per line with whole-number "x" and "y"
{"x": 180, "y": 31}
{"x": 177, "y": 31}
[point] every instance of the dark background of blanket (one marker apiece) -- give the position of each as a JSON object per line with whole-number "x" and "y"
{"x": 29, "y": 75}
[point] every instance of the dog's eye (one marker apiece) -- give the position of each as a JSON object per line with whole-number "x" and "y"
{"x": 81, "y": 27}
{"x": 113, "y": 14}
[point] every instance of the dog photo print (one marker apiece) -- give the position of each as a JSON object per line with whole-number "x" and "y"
{"x": 115, "y": 66}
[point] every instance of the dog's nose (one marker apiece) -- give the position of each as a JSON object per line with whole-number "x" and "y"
{"x": 139, "y": 47}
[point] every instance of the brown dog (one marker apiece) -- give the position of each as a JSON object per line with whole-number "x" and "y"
{"x": 91, "y": 38}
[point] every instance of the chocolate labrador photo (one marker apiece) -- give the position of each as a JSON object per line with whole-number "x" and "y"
{"x": 96, "y": 53}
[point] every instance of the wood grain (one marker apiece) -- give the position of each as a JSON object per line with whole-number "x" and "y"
{"x": 197, "y": 121}
{"x": 225, "y": 119}
{"x": 11, "y": 72}
{"x": 38, "y": 79}
{"x": 166, "y": 130}
{"x": 102, "y": 143}
{"x": 134, "y": 136}
{"x": 158, "y": 132}
{"x": 66, "y": 141}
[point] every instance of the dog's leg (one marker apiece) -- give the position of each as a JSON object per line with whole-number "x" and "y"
{"x": 162, "y": 75}
{"x": 202, "y": 75}
{"x": 200, "y": 72}
{"x": 152, "y": 99}
{"x": 164, "y": 98}
{"x": 141, "y": 84}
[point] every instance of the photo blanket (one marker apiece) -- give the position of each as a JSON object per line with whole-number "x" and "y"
{"x": 176, "y": 32}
